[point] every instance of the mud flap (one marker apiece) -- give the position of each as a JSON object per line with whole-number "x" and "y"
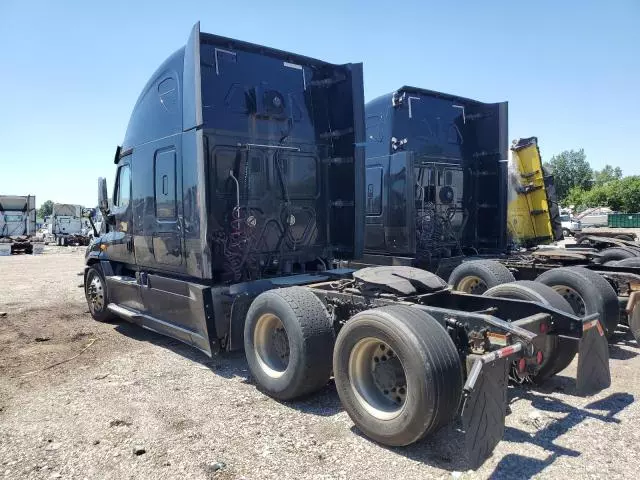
{"x": 634, "y": 324}
{"x": 593, "y": 360}
{"x": 633, "y": 314}
{"x": 485, "y": 406}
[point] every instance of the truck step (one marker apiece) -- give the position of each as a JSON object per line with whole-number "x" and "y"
{"x": 123, "y": 312}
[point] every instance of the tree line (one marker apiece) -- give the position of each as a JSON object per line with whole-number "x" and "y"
{"x": 579, "y": 185}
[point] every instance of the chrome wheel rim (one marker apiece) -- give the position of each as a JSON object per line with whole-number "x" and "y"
{"x": 472, "y": 284}
{"x": 271, "y": 345}
{"x": 95, "y": 292}
{"x": 574, "y": 298}
{"x": 378, "y": 378}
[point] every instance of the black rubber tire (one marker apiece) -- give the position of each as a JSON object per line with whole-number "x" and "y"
{"x": 558, "y": 352}
{"x": 102, "y": 315}
{"x": 566, "y": 233}
{"x": 615, "y": 253}
{"x": 311, "y": 337}
{"x": 430, "y": 362}
{"x": 596, "y": 293}
{"x": 492, "y": 273}
{"x": 627, "y": 262}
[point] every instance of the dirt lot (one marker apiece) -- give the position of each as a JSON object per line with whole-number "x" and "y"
{"x": 197, "y": 418}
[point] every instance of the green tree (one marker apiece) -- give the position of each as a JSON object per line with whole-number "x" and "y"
{"x": 570, "y": 169}
{"x": 607, "y": 194}
{"x": 45, "y": 209}
{"x": 576, "y": 197}
{"x": 607, "y": 174}
{"x": 629, "y": 191}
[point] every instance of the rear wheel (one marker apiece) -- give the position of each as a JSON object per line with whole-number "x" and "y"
{"x": 477, "y": 276}
{"x": 288, "y": 340}
{"x": 566, "y": 232}
{"x": 615, "y": 253}
{"x": 397, "y": 373}
{"x": 587, "y": 292}
{"x": 628, "y": 238}
{"x": 627, "y": 262}
{"x": 557, "y": 352}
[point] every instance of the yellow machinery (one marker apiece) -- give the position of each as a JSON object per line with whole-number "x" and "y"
{"x": 532, "y": 210}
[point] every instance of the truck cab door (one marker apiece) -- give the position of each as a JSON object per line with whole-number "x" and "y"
{"x": 120, "y": 240}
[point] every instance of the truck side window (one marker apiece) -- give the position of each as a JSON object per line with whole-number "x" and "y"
{"x": 165, "y": 182}
{"x": 123, "y": 186}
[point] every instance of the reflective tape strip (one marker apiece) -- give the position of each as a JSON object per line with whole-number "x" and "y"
{"x": 506, "y": 351}
{"x": 593, "y": 323}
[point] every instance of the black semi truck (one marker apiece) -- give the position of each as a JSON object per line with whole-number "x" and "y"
{"x": 240, "y": 187}
{"x": 436, "y": 198}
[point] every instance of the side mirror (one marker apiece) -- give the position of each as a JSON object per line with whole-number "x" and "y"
{"x": 103, "y": 199}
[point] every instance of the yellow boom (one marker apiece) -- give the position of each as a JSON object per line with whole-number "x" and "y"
{"x": 532, "y": 209}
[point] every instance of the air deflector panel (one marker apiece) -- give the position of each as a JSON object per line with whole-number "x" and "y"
{"x": 192, "y": 96}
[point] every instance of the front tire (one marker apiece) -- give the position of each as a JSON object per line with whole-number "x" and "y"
{"x": 397, "y": 373}
{"x": 95, "y": 291}
{"x": 288, "y": 340}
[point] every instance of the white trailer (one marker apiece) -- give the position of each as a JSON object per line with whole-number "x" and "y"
{"x": 17, "y": 223}
{"x": 65, "y": 226}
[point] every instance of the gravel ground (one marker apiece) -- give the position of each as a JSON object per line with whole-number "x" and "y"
{"x": 132, "y": 404}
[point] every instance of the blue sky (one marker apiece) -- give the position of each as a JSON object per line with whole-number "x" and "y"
{"x": 72, "y": 70}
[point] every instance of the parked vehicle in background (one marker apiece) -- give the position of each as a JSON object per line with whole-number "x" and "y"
{"x": 594, "y": 217}
{"x": 418, "y": 215}
{"x": 65, "y": 226}
{"x": 17, "y": 223}
{"x": 570, "y": 225}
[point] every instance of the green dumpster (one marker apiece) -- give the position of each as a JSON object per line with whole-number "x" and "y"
{"x": 623, "y": 220}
